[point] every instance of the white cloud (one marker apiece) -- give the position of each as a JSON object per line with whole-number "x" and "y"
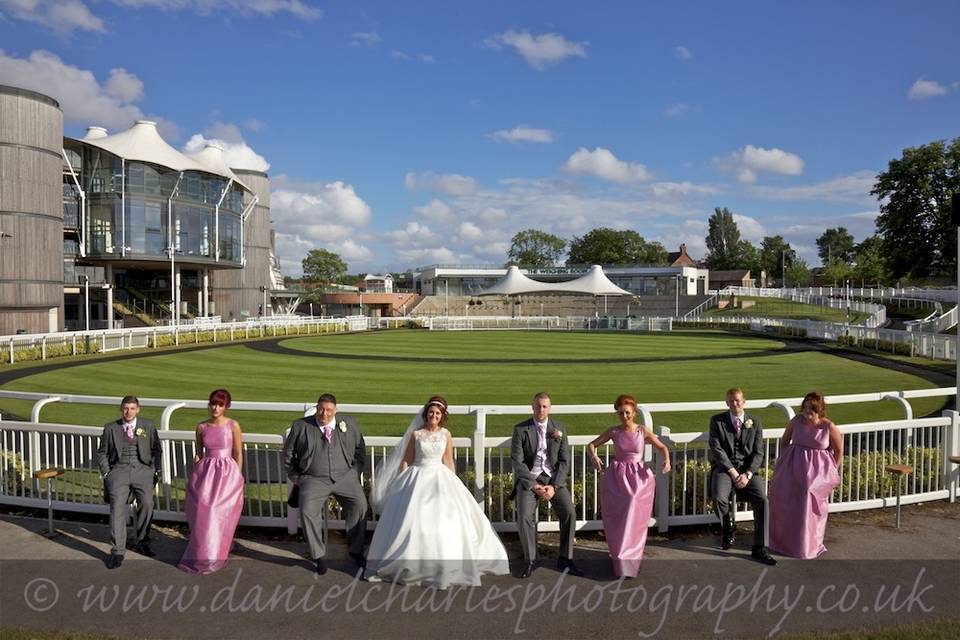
{"x": 470, "y": 232}
{"x": 423, "y": 257}
{"x": 413, "y": 235}
{"x": 852, "y": 188}
{"x": 318, "y": 215}
{"x": 253, "y": 124}
{"x": 82, "y": 99}
{"x": 750, "y": 228}
{"x": 677, "y": 110}
{"x": 124, "y": 86}
{"x": 60, "y": 16}
{"x": 538, "y": 50}
{"x": 751, "y": 161}
{"x": 924, "y": 89}
{"x": 452, "y": 184}
{"x": 602, "y": 164}
{"x": 365, "y": 39}
{"x": 224, "y": 131}
{"x": 681, "y": 189}
{"x": 297, "y": 8}
{"x": 681, "y": 53}
{"x": 523, "y": 133}
{"x": 492, "y": 215}
{"x": 418, "y": 57}
{"x": 237, "y": 154}
{"x": 435, "y": 211}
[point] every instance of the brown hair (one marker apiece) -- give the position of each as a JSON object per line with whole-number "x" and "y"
{"x": 623, "y": 399}
{"x": 221, "y": 397}
{"x": 732, "y": 391}
{"x": 815, "y": 401}
{"x": 435, "y": 401}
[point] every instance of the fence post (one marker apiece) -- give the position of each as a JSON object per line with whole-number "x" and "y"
{"x": 293, "y": 513}
{"x": 165, "y": 426}
{"x": 662, "y": 497}
{"x": 479, "y": 462}
{"x": 951, "y": 470}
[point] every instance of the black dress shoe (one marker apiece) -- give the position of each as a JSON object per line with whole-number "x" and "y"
{"x": 114, "y": 561}
{"x": 143, "y": 548}
{"x": 528, "y": 570}
{"x": 760, "y": 554}
{"x": 321, "y": 566}
{"x": 726, "y": 539}
{"x": 359, "y": 559}
{"x": 565, "y": 564}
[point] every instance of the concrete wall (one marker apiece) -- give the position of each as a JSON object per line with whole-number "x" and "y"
{"x": 31, "y": 212}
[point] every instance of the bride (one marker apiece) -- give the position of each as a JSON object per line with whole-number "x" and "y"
{"x": 431, "y": 531}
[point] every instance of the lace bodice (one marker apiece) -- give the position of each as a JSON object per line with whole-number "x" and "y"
{"x": 430, "y": 446}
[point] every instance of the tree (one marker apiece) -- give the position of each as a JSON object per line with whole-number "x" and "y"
{"x": 323, "y": 266}
{"x": 535, "y": 248}
{"x": 775, "y": 255}
{"x": 836, "y": 272}
{"x": 798, "y": 273}
{"x": 610, "y": 246}
{"x": 749, "y": 258}
{"x": 914, "y": 224}
{"x": 835, "y": 243}
{"x": 723, "y": 241}
{"x": 871, "y": 264}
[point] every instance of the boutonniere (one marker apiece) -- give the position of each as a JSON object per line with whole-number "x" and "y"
{"x": 748, "y": 424}
{"x": 140, "y": 432}
{"x": 556, "y": 434}
{"x": 342, "y": 426}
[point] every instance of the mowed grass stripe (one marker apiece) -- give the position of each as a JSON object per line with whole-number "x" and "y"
{"x": 257, "y": 376}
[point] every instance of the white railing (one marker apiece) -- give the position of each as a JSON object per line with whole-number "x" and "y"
{"x": 876, "y": 313}
{"x": 484, "y": 461}
{"x": 557, "y": 323}
{"x": 78, "y": 342}
{"x": 935, "y": 322}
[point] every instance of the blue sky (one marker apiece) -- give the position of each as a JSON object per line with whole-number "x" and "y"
{"x": 402, "y": 134}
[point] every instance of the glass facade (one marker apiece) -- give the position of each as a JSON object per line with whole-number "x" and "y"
{"x": 128, "y": 212}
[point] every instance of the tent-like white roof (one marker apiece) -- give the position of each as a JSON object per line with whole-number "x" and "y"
{"x": 514, "y": 283}
{"x": 211, "y": 157}
{"x": 142, "y": 142}
{"x": 595, "y": 282}
{"x": 94, "y": 133}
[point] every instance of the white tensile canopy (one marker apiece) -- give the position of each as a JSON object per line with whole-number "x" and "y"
{"x": 594, "y": 282}
{"x": 211, "y": 157}
{"x": 515, "y": 283}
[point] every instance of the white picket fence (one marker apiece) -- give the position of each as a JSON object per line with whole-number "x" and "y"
{"x": 484, "y": 461}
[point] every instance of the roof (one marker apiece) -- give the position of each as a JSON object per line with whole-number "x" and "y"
{"x": 594, "y": 282}
{"x": 142, "y": 143}
{"x": 733, "y": 274}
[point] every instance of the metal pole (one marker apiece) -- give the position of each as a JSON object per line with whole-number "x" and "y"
{"x": 676, "y": 310}
{"x": 86, "y": 303}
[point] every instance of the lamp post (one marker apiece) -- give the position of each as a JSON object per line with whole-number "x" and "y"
{"x": 783, "y": 269}
{"x": 676, "y": 308}
{"x": 86, "y": 302}
{"x": 263, "y": 305}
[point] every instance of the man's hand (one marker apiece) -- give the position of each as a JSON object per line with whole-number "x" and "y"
{"x": 741, "y": 481}
{"x": 549, "y": 492}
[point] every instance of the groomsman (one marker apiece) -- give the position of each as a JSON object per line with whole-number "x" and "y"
{"x": 541, "y": 459}
{"x": 736, "y": 453}
{"x": 325, "y": 455}
{"x": 130, "y": 460}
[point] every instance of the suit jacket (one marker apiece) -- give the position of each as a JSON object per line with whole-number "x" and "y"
{"x": 723, "y": 440}
{"x": 303, "y": 441}
{"x": 523, "y": 451}
{"x": 148, "y": 445}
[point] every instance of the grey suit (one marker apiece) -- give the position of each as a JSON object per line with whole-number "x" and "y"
{"x": 134, "y": 474}
{"x": 744, "y": 453}
{"x": 523, "y": 449}
{"x": 322, "y": 469}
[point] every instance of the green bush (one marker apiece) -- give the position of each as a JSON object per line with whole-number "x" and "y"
{"x": 14, "y": 473}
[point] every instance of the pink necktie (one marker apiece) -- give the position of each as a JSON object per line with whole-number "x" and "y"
{"x": 128, "y": 428}
{"x": 737, "y": 425}
{"x": 327, "y": 432}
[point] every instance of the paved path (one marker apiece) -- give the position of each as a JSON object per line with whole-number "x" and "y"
{"x": 873, "y": 575}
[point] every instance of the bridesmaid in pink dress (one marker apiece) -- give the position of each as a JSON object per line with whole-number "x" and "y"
{"x": 627, "y": 487}
{"x": 215, "y": 490}
{"x": 805, "y": 475}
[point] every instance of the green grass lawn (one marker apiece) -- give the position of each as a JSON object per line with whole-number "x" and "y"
{"x": 576, "y": 368}
{"x": 777, "y": 308}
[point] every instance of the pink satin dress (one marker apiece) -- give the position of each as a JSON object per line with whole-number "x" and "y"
{"x": 628, "y": 488}
{"x": 803, "y": 479}
{"x": 214, "y": 502}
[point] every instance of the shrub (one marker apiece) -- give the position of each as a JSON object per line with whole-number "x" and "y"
{"x": 14, "y": 473}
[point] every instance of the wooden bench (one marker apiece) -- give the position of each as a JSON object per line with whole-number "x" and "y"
{"x": 901, "y": 471}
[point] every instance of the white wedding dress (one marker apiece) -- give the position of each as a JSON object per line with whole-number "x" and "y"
{"x": 432, "y": 532}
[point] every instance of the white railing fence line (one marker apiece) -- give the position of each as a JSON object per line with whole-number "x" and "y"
{"x": 484, "y": 461}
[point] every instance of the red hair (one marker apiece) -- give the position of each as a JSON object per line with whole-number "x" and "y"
{"x": 623, "y": 399}
{"x": 220, "y": 397}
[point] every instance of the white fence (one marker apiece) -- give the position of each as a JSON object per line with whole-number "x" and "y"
{"x": 876, "y": 313}
{"x": 484, "y": 461}
{"x": 554, "y": 323}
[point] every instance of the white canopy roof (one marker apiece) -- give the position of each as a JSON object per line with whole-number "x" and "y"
{"x": 211, "y": 157}
{"x": 514, "y": 283}
{"x": 594, "y": 282}
{"x": 142, "y": 142}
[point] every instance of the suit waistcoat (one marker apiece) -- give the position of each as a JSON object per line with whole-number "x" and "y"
{"x": 128, "y": 453}
{"x": 328, "y": 461}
